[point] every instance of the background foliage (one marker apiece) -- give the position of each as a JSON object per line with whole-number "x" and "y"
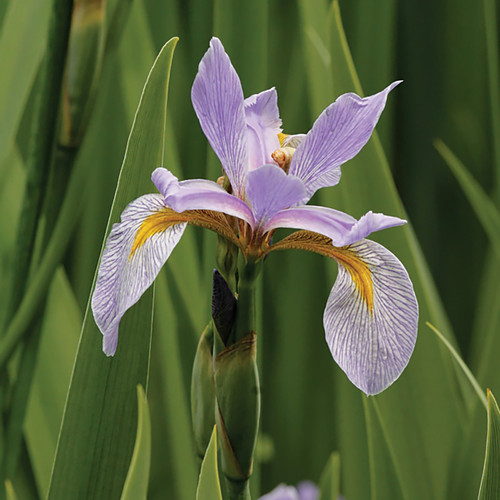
{"x": 425, "y": 436}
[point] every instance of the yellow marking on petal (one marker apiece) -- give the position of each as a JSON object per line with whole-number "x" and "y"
{"x": 282, "y": 138}
{"x": 165, "y": 218}
{"x": 345, "y": 256}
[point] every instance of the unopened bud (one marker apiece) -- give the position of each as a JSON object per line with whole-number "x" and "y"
{"x": 83, "y": 67}
{"x": 223, "y": 306}
{"x": 238, "y": 407}
{"x": 203, "y": 392}
{"x": 226, "y": 254}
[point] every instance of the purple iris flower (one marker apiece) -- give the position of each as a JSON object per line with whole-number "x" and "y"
{"x": 306, "y": 490}
{"x": 371, "y": 314}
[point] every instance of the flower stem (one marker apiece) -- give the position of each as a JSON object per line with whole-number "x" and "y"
{"x": 246, "y": 315}
{"x": 238, "y": 490}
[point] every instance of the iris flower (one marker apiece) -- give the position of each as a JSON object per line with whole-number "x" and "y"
{"x": 306, "y": 490}
{"x": 370, "y": 318}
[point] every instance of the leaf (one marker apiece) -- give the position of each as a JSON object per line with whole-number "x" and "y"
{"x": 490, "y": 480}
{"x": 208, "y": 483}
{"x": 136, "y": 484}
{"x": 96, "y": 439}
{"x": 10, "y": 493}
{"x": 484, "y": 208}
{"x": 329, "y": 484}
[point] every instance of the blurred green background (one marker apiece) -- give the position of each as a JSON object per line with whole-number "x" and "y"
{"x": 424, "y": 437}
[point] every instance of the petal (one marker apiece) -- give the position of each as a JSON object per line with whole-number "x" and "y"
{"x": 218, "y": 102}
{"x": 308, "y": 490}
{"x": 339, "y": 226}
{"x": 282, "y": 492}
{"x": 135, "y": 251}
{"x": 264, "y": 125}
{"x": 269, "y": 190}
{"x": 199, "y": 194}
{"x": 338, "y": 134}
{"x": 371, "y": 316}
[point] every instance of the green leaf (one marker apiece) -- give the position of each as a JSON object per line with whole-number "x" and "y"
{"x": 96, "y": 439}
{"x": 11, "y": 494}
{"x": 136, "y": 484}
{"x": 484, "y": 208}
{"x": 329, "y": 484}
{"x": 490, "y": 480}
{"x": 208, "y": 483}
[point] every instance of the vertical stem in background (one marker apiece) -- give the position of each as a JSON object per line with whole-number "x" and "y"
{"x": 39, "y": 158}
{"x": 490, "y": 21}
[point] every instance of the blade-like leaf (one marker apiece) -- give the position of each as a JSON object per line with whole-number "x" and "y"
{"x": 97, "y": 435}
{"x": 136, "y": 484}
{"x": 490, "y": 480}
{"x": 208, "y": 483}
{"x": 329, "y": 484}
{"x": 484, "y": 208}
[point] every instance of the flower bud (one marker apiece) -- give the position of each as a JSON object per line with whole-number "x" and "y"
{"x": 226, "y": 255}
{"x": 238, "y": 406}
{"x": 203, "y": 392}
{"x": 223, "y": 307}
{"x": 83, "y": 67}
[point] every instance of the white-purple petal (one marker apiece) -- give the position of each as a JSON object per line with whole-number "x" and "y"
{"x": 282, "y": 492}
{"x": 338, "y": 134}
{"x": 217, "y": 99}
{"x": 123, "y": 278}
{"x": 264, "y": 125}
{"x": 339, "y": 226}
{"x": 372, "y": 347}
{"x": 269, "y": 189}
{"x": 165, "y": 181}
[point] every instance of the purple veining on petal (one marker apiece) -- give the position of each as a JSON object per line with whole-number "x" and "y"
{"x": 372, "y": 348}
{"x": 264, "y": 125}
{"x": 338, "y": 134}
{"x": 269, "y": 190}
{"x": 122, "y": 279}
{"x": 217, "y": 99}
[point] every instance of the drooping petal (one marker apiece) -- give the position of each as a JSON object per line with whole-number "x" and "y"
{"x": 269, "y": 190}
{"x": 135, "y": 251}
{"x": 217, "y": 99}
{"x": 264, "y": 125}
{"x": 338, "y": 134}
{"x": 339, "y": 226}
{"x": 371, "y": 316}
{"x": 199, "y": 194}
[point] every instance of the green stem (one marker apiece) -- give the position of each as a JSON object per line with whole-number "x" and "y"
{"x": 238, "y": 490}
{"x": 246, "y": 315}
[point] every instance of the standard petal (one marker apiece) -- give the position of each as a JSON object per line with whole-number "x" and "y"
{"x": 338, "y": 134}
{"x": 218, "y": 102}
{"x": 269, "y": 190}
{"x": 371, "y": 316}
{"x": 135, "y": 251}
{"x": 339, "y": 226}
{"x": 264, "y": 125}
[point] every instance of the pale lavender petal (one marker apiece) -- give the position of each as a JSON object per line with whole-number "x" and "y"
{"x": 339, "y": 226}
{"x": 308, "y": 490}
{"x": 282, "y": 492}
{"x": 338, "y": 134}
{"x": 123, "y": 278}
{"x": 369, "y": 223}
{"x": 372, "y": 346}
{"x": 270, "y": 189}
{"x": 199, "y": 194}
{"x": 264, "y": 125}
{"x": 294, "y": 140}
{"x": 218, "y": 102}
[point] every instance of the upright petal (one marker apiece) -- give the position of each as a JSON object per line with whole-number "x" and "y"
{"x": 338, "y": 134}
{"x": 339, "y": 226}
{"x": 264, "y": 125}
{"x": 199, "y": 194}
{"x": 269, "y": 190}
{"x": 371, "y": 316}
{"x": 135, "y": 251}
{"x": 218, "y": 102}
